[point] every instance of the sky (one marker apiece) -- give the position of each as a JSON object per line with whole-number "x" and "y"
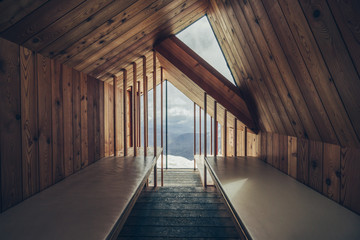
{"x": 201, "y": 39}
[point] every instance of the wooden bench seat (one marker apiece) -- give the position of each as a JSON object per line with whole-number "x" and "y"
{"x": 90, "y": 204}
{"x": 271, "y": 205}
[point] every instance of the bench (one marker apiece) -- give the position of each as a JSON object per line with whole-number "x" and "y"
{"x": 90, "y": 204}
{"x": 269, "y": 204}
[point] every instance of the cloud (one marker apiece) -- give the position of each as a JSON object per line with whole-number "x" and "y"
{"x": 201, "y": 39}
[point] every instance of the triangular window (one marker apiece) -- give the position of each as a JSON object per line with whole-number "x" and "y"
{"x": 200, "y": 37}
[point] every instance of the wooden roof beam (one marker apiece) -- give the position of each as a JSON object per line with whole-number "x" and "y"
{"x": 180, "y": 56}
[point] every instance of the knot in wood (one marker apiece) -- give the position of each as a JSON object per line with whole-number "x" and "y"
{"x": 328, "y": 181}
{"x": 316, "y": 13}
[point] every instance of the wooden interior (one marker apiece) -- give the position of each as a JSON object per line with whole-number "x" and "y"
{"x": 72, "y": 73}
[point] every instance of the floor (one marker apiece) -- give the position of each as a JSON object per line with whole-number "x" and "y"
{"x": 181, "y": 209}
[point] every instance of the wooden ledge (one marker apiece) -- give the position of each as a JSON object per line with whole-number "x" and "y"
{"x": 90, "y": 204}
{"x": 271, "y": 205}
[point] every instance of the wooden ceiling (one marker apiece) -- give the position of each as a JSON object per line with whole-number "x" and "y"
{"x": 298, "y": 61}
{"x": 97, "y": 37}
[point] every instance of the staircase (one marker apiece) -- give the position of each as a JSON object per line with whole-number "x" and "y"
{"x": 179, "y": 211}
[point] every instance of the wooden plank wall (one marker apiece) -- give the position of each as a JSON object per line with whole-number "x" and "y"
{"x": 297, "y": 62}
{"x": 51, "y": 122}
{"x": 327, "y": 168}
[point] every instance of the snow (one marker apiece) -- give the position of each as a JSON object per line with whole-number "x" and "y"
{"x": 176, "y": 162}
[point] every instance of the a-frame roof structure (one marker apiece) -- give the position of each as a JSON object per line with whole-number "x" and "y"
{"x": 296, "y": 63}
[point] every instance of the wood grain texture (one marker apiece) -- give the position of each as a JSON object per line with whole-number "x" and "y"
{"x": 68, "y": 130}
{"x": 346, "y": 16}
{"x": 101, "y": 119}
{"x": 249, "y": 70}
{"x": 39, "y": 19}
{"x": 97, "y": 122}
{"x": 84, "y": 28}
{"x": 10, "y": 125}
{"x": 350, "y": 178}
{"x": 302, "y": 171}
{"x": 84, "y": 120}
{"x": 29, "y": 130}
{"x": 76, "y": 108}
{"x": 106, "y": 119}
{"x": 276, "y": 150}
{"x": 269, "y": 148}
{"x": 12, "y": 13}
{"x": 263, "y": 153}
{"x": 283, "y": 153}
{"x": 339, "y": 62}
{"x": 292, "y": 156}
{"x": 91, "y": 119}
{"x": 111, "y": 119}
{"x": 57, "y": 122}
{"x": 316, "y": 165}
{"x": 44, "y": 121}
{"x": 318, "y": 72}
{"x": 64, "y": 24}
{"x": 295, "y": 111}
{"x": 331, "y": 172}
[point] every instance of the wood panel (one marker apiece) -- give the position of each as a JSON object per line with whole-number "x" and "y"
{"x": 106, "y": 119}
{"x": 84, "y": 120}
{"x": 263, "y": 147}
{"x": 350, "y": 178}
{"x": 97, "y": 122}
{"x": 280, "y": 57}
{"x": 327, "y": 168}
{"x": 347, "y": 18}
{"x": 283, "y": 153}
{"x": 10, "y": 127}
{"x": 292, "y": 156}
{"x": 90, "y": 119}
{"x": 119, "y": 124}
{"x": 338, "y": 61}
{"x": 269, "y": 149}
{"x": 331, "y": 172}
{"x": 76, "y": 107}
{"x": 139, "y": 42}
{"x": 111, "y": 119}
{"x": 39, "y": 19}
{"x": 276, "y": 150}
{"x": 57, "y": 122}
{"x": 43, "y": 99}
{"x": 301, "y": 90}
{"x": 303, "y": 63}
{"x": 29, "y": 128}
{"x": 84, "y": 28}
{"x": 302, "y": 171}
{"x": 263, "y": 104}
{"x": 67, "y": 81}
{"x": 316, "y": 165}
{"x": 71, "y": 19}
{"x": 12, "y": 13}
{"x": 44, "y": 121}
{"x": 102, "y": 119}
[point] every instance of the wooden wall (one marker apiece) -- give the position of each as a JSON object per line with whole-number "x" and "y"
{"x": 51, "y": 122}
{"x": 298, "y": 62}
{"x": 327, "y": 168}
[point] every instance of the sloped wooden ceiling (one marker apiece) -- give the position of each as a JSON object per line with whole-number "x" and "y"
{"x": 97, "y": 37}
{"x": 298, "y": 61}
